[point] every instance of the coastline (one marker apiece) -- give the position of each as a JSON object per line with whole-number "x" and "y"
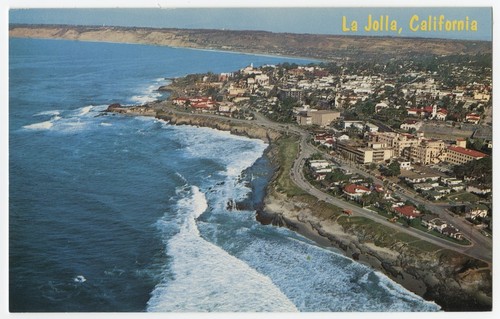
{"x": 456, "y": 282}
{"x": 294, "y": 45}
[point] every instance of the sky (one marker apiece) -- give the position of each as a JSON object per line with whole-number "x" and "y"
{"x": 324, "y": 20}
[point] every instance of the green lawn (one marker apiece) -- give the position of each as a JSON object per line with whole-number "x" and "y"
{"x": 424, "y": 246}
{"x": 463, "y": 197}
{"x": 288, "y": 148}
{"x": 404, "y": 237}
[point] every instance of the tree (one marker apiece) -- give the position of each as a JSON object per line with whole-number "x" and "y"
{"x": 369, "y": 199}
{"x": 480, "y": 169}
{"x": 392, "y": 169}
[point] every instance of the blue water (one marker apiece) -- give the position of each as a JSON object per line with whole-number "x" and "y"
{"x": 110, "y": 213}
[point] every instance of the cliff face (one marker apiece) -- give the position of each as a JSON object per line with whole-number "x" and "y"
{"x": 454, "y": 281}
{"x": 244, "y": 129}
{"x": 302, "y": 45}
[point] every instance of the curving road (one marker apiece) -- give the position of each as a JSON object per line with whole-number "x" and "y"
{"x": 480, "y": 248}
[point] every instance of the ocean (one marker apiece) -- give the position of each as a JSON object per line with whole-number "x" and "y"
{"x": 111, "y": 213}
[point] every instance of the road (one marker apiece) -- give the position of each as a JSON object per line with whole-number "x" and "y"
{"x": 480, "y": 248}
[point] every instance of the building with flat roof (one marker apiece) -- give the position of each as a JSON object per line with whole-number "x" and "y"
{"x": 296, "y": 94}
{"x": 396, "y": 141}
{"x": 428, "y": 151}
{"x": 323, "y": 118}
{"x": 364, "y": 155}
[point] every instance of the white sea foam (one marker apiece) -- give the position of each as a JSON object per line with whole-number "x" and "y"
{"x": 47, "y": 125}
{"x": 207, "y": 278}
{"x": 85, "y": 110}
{"x": 51, "y": 112}
{"x": 273, "y": 255}
{"x": 79, "y": 279}
{"x": 70, "y": 121}
{"x": 338, "y": 283}
{"x": 402, "y": 294}
{"x": 147, "y": 95}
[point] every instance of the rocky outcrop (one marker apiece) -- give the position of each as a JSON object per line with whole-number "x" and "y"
{"x": 454, "y": 281}
{"x": 113, "y": 107}
{"x": 237, "y": 128}
{"x": 143, "y": 110}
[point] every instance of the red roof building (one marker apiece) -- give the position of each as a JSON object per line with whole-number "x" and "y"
{"x": 354, "y": 191}
{"x": 407, "y": 211}
{"x": 472, "y": 118}
{"x": 460, "y": 155}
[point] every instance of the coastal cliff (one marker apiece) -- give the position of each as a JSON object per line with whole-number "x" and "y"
{"x": 243, "y": 129}
{"x": 317, "y": 46}
{"x": 454, "y": 281}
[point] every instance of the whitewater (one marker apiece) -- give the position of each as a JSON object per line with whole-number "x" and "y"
{"x": 129, "y": 214}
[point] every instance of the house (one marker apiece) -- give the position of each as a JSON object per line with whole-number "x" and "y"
{"x": 433, "y": 195}
{"x": 320, "y": 176}
{"x": 354, "y": 191}
{"x": 426, "y": 111}
{"x": 405, "y": 166}
{"x": 181, "y": 101}
{"x": 420, "y": 178}
{"x": 225, "y": 108}
{"x": 442, "y": 190}
{"x": 472, "y": 118}
{"x": 431, "y": 222}
{"x": 479, "y": 210}
{"x": 479, "y": 189}
{"x": 355, "y": 124}
{"x": 452, "y": 232}
{"x": 407, "y": 211}
{"x": 319, "y": 163}
{"x": 457, "y": 188}
{"x": 426, "y": 219}
{"x": 423, "y": 186}
{"x": 411, "y": 124}
{"x": 450, "y": 181}
{"x": 262, "y": 79}
{"x": 371, "y": 127}
{"x": 322, "y": 138}
{"x": 441, "y": 114}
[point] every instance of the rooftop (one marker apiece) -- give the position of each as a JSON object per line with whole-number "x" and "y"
{"x": 407, "y": 210}
{"x": 354, "y": 189}
{"x": 467, "y": 151}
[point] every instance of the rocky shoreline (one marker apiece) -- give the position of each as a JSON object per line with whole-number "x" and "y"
{"x": 454, "y": 281}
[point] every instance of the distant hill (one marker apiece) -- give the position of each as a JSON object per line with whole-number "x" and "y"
{"x": 324, "y": 47}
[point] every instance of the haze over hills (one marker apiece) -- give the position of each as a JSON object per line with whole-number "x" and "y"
{"x": 324, "y": 47}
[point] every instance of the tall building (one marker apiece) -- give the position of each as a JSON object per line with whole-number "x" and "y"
{"x": 397, "y": 141}
{"x": 296, "y": 94}
{"x": 459, "y": 155}
{"x": 428, "y": 151}
{"x": 323, "y": 117}
{"x": 364, "y": 155}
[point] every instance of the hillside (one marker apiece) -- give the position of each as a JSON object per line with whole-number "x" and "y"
{"x": 324, "y": 47}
